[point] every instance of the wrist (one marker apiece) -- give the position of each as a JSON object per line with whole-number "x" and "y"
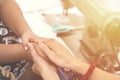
{"x": 24, "y": 31}
{"x": 79, "y": 66}
{"x": 89, "y": 72}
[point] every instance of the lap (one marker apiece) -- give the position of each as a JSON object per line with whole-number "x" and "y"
{"x": 29, "y": 75}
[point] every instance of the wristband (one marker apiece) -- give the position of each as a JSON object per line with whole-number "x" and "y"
{"x": 89, "y": 72}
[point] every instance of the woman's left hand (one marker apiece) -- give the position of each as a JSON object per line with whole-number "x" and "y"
{"x": 55, "y": 51}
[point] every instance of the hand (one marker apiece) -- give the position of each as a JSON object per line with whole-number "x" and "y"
{"x": 55, "y": 51}
{"x": 42, "y": 67}
{"x": 26, "y": 36}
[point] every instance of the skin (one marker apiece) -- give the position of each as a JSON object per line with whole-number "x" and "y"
{"x": 42, "y": 67}
{"x": 12, "y": 17}
{"x": 59, "y": 55}
{"x": 12, "y": 53}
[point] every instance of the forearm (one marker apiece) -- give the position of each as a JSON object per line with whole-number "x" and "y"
{"x": 12, "y": 53}
{"x": 97, "y": 74}
{"x": 12, "y": 16}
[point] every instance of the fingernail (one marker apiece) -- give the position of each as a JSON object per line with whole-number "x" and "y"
{"x": 31, "y": 40}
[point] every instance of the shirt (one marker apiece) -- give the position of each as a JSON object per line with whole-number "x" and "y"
{"x": 8, "y": 37}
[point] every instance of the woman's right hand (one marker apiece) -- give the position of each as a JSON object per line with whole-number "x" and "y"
{"x": 42, "y": 67}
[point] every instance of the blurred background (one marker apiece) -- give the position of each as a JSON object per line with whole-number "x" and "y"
{"x": 90, "y": 29}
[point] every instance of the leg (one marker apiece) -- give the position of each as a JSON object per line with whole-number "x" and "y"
{"x": 29, "y": 75}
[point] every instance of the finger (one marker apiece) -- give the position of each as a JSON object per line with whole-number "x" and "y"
{"x": 33, "y": 52}
{"x": 54, "y": 44}
{"x": 39, "y": 51}
{"x": 37, "y": 43}
{"x": 38, "y": 39}
{"x": 54, "y": 58}
{"x": 47, "y": 50}
{"x": 42, "y": 54}
{"x": 47, "y": 71}
{"x": 57, "y": 47}
{"x": 36, "y": 70}
{"x": 37, "y": 59}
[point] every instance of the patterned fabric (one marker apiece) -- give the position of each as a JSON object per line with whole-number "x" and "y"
{"x": 8, "y": 37}
{"x": 6, "y": 75}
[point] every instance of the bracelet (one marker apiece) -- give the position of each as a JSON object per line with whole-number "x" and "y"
{"x": 89, "y": 72}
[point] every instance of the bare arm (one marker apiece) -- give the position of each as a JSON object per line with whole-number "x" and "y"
{"x": 12, "y": 53}
{"x": 61, "y": 57}
{"x": 11, "y": 15}
{"x": 98, "y": 74}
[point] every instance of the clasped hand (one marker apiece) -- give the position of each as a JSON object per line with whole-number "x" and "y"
{"x": 47, "y": 55}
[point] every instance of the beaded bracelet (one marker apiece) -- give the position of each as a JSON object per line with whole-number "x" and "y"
{"x": 89, "y": 72}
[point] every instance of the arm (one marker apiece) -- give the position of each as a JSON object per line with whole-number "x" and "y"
{"x": 12, "y": 53}
{"x": 98, "y": 74}
{"x": 61, "y": 57}
{"x": 11, "y": 15}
